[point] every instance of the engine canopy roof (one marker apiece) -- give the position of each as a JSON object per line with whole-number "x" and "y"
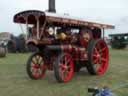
{"x": 31, "y": 17}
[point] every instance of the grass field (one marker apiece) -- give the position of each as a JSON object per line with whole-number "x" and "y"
{"x": 15, "y": 82}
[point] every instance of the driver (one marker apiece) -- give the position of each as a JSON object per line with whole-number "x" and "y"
{"x": 61, "y": 34}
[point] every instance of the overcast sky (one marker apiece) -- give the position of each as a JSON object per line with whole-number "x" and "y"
{"x": 113, "y": 12}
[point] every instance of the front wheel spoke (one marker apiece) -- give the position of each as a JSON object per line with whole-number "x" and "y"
{"x": 33, "y": 60}
{"x": 42, "y": 64}
{"x": 37, "y": 57}
{"x": 40, "y": 71}
{"x": 40, "y": 60}
{"x": 37, "y": 72}
{"x": 32, "y": 64}
{"x": 34, "y": 71}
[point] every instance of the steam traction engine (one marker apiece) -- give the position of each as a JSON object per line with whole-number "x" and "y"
{"x": 65, "y": 45}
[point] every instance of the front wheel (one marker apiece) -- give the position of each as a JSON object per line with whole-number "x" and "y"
{"x": 63, "y": 68}
{"x": 36, "y": 66}
{"x": 98, "y": 57}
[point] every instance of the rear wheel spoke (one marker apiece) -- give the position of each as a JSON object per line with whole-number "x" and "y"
{"x": 95, "y": 61}
{"x": 67, "y": 62}
{"x": 98, "y": 47}
{"x": 98, "y": 65}
{"x": 95, "y": 55}
{"x": 102, "y": 50}
{"x": 103, "y": 59}
{"x": 100, "y": 70}
{"x": 96, "y": 50}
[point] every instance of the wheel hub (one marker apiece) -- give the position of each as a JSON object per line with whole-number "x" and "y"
{"x": 37, "y": 66}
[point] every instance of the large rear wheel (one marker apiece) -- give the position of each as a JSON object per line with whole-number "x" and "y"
{"x": 98, "y": 56}
{"x": 36, "y": 66}
{"x": 63, "y": 68}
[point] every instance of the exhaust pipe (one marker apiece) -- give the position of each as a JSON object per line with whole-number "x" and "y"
{"x": 52, "y": 7}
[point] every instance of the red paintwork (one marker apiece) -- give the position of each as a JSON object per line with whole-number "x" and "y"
{"x": 76, "y": 52}
{"x": 75, "y": 44}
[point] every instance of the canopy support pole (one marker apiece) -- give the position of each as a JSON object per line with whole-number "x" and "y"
{"x": 26, "y": 28}
{"x": 103, "y": 33}
{"x": 38, "y": 26}
{"x": 43, "y": 28}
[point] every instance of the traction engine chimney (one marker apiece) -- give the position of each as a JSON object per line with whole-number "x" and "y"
{"x": 52, "y": 7}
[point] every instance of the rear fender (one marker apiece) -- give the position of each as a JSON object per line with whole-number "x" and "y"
{"x": 32, "y": 41}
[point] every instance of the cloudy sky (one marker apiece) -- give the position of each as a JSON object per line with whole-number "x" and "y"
{"x": 113, "y": 12}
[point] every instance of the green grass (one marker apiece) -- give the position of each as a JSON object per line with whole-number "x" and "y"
{"x": 15, "y": 82}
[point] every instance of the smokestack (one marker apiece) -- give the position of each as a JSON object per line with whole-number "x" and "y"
{"x": 52, "y": 7}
